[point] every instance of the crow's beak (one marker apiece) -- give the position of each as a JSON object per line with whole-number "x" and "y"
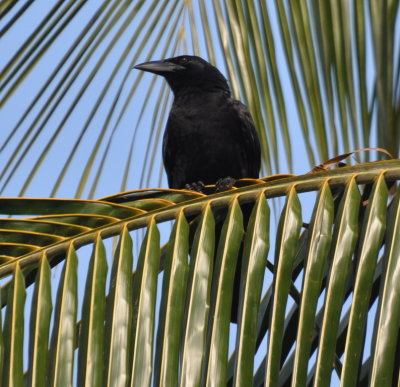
{"x": 159, "y": 67}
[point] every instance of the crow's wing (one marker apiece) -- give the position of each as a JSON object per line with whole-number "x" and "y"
{"x": 250, "y": 144}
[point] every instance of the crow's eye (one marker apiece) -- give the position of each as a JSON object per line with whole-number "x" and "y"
{"x": 184, "y": 60}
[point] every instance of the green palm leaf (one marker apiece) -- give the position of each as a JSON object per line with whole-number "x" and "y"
{"x": 189, "y": 332}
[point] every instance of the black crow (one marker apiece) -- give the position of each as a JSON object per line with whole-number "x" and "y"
{"x": 210, "y": 137}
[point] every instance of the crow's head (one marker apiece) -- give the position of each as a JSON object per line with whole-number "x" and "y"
{"x": 185, "y": 73}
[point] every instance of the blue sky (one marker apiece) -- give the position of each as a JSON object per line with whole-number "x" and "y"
{"x": 120, "y": 143}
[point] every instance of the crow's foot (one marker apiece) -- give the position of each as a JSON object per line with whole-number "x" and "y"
{"x": 197, "y": 186}
{"x": 224, "y": 184}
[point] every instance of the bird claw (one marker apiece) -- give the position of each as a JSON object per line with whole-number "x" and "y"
{"x": 197, "y": 186}
{"x": 224, "y": 184}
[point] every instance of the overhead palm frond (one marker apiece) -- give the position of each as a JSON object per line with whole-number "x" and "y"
{"x": 349, "y": 250}
{"x": 325, "y": 72}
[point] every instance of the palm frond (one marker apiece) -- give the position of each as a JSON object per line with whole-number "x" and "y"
{"x": 349, "y": 250}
